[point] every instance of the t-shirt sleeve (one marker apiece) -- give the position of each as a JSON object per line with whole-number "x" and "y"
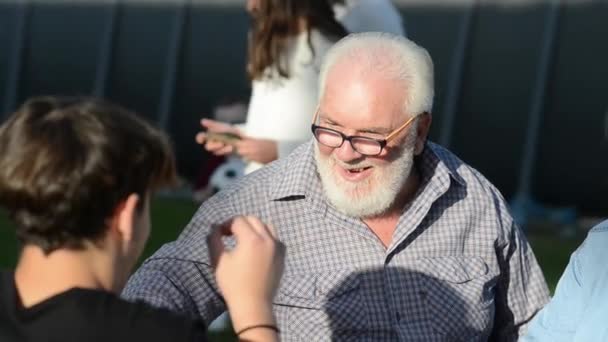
{"x": 161, "y": 325}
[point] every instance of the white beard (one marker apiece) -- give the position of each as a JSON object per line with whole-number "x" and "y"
{"x": 373, "y": 195}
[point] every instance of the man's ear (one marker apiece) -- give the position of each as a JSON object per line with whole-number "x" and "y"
{"x": 125, "y": 217}
{"x": 424, "y": 126}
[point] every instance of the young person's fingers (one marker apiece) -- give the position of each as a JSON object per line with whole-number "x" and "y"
{"x": 271, "y": 230}
{"x": 215, "y": 245}
{"x": 240, "y": 228}
{"x": 261, "y": 228}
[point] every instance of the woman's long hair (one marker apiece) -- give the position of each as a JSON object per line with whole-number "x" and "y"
{"x": 275, "y": 21}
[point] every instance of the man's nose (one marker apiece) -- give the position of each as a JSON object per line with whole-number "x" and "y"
{"x": 346, "y": 152}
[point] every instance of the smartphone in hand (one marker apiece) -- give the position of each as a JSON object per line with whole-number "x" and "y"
{"x": 224, "y": 137}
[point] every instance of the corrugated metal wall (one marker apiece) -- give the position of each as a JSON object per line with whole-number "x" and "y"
{"x": 181, "y": 57}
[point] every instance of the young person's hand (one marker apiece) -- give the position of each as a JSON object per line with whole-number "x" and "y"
{"x": 248, "y": 274}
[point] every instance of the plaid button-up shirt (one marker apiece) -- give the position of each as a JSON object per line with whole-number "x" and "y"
{"x": 458, "y": 268}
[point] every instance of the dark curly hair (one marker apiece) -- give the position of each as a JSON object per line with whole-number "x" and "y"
{"x": 66, "y": 163}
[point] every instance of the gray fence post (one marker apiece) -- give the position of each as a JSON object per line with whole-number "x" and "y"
{"x": 173, "y": 61}
{"x": 106, "y": 50}
{"x": 15, "y": 64}
{"x": 523, "y": 204}
{"x": 457, "y": 65}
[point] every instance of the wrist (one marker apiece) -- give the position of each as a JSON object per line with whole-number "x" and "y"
{"x": 259, "y": 332}
{"x": 244, "y": 315}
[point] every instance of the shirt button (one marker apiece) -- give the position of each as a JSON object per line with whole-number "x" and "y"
{"x": 397, "y": 316}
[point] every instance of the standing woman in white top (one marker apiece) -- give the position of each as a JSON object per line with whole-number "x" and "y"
{"x": 288, "y": 40}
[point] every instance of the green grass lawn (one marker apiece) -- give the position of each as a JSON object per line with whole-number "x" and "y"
{"x": 170, "y": 216}
{"x": 553, "y": 254}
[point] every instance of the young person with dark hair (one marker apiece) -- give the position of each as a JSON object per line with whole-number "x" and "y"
{"x": 76, "y": 176}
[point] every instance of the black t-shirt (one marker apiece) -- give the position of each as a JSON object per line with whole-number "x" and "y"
{"x": 85, "y": 315}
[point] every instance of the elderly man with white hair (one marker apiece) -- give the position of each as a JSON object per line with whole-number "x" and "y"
{"x": 389, "y": 237}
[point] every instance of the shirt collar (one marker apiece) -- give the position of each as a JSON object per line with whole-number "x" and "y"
{"x": 441, "y": 160}
{"x": 298, "y": 174}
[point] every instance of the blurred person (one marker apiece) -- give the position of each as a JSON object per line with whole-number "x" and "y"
{"x": 369, "y": 191}
{"x": 355, "y": 16}
{"x": 369, "y": 16}
{"x": 76, "y": 176}
{"x": 288, "y": 40}
{"x": 577, "y": 311}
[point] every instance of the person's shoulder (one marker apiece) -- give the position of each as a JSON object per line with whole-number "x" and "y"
{"x": 476, "y": 189}
{"x": 163, "y": 325}
{"x": 463, "y": 172}
{"x": 6, "y": 292}
{"x": 138, "y": 320}
{"x": 299, "y": 164}
{"x": 6, "y": 288}
{"x": 596, "y": 241}
{"x": 601, "y": 229}
{"x": 446, "y": 156}
{"x": 6, "y": 279}
{"x": 589, "y": 259}
{"x": 258, "y": 182}
{"x": 284, "y": 177}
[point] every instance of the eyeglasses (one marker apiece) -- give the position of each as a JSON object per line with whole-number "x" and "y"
{"x": 364, "y": 145}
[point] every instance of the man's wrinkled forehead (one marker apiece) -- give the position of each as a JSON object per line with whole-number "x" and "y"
{"x": 373, "y": 102}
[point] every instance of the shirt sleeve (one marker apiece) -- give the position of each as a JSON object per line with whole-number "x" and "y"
{"x": 179, "y": 275}
{"x": 576, "y": 293}
{"x": 559, "y": 319}
{"x": 521, "y": 290}
{"x": 159, "y": 325}
{"x": 286, "y": 147}
{"x": 183, "y": 286}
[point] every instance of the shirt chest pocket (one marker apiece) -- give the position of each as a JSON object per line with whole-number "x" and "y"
{"x": 457, "y": 294}
{"x": 321, "y": 306}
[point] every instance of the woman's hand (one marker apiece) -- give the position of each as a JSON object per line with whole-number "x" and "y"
{"x": 216, "y": 146}
{"x": 250, "y": 149}
{"x": 259, "y": 150}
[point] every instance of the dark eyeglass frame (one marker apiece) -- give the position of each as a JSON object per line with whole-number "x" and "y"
{"x": 381, "y": 142}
